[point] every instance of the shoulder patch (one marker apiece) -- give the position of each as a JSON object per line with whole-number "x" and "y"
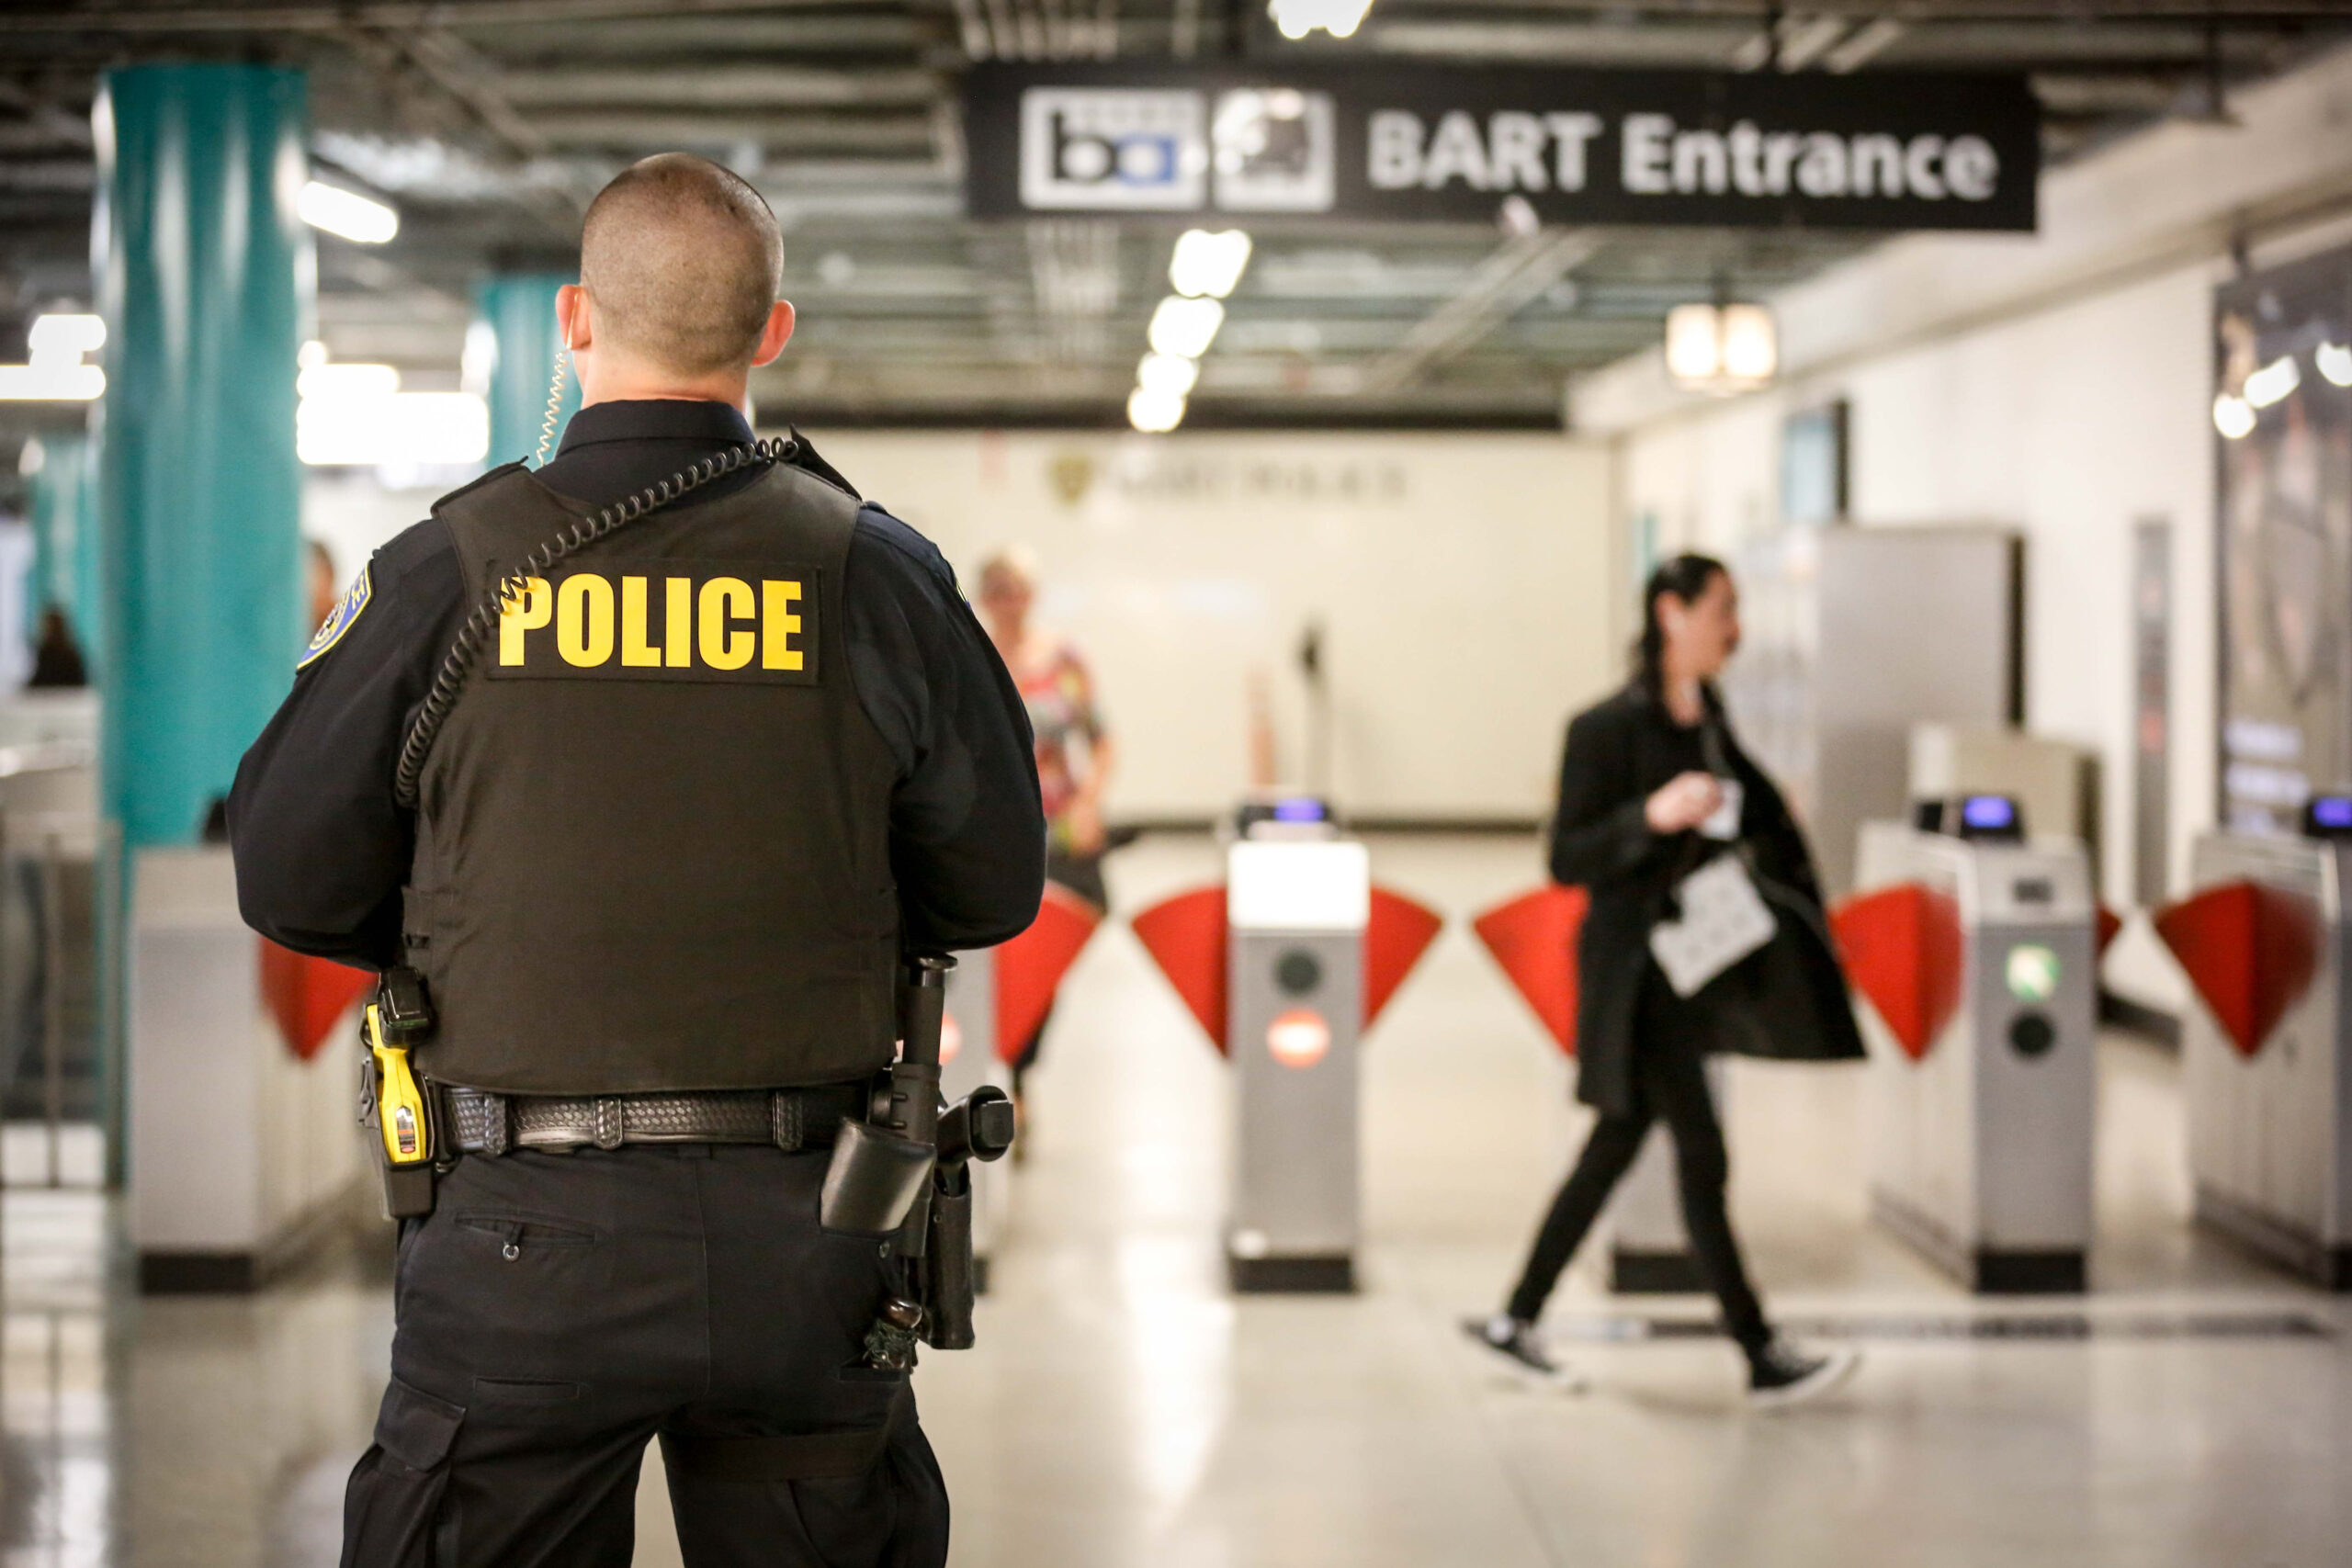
{"x": 346, "y": 610}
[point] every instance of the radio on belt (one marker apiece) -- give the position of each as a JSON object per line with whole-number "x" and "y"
{"x": 1977, "y": 952}
{"x": 2267, "y": 1053}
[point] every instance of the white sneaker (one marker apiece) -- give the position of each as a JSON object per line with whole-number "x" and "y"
{"x": 1781, "y": 1375}
{"x": 1518, "y": 1342}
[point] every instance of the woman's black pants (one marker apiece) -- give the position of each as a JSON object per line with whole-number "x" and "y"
{"x": 1670, "y": 1082}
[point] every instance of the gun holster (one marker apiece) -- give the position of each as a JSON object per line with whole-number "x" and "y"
{"x": 979, "y": 1126}
{"x": 947, "y": 1282}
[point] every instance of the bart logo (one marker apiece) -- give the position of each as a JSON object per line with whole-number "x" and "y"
{"x": 673, "y": 621}
{"x": 1072, "y": 474}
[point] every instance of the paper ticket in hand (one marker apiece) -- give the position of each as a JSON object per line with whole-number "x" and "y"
{"x": 1723, "y": 822}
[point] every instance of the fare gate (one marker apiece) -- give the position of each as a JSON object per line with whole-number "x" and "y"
{"x": 1285, "y": 966}
{"x": 1977, "y": 952}
{"x": 1534, "y": 939}
{"x": 2266, "y": 1057}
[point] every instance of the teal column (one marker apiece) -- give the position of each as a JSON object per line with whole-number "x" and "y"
{"x": 518, "y": 309}
{"x": 206, "y": 279}
{"x": 66, "y": 539}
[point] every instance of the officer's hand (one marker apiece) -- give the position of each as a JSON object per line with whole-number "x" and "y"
{"x": 1683, "y": 802}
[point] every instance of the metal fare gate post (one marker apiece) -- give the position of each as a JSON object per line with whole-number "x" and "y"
{"x": 2266, "y": 1055}
{"x": 1285, "y": 967}
{"x": 970, "y": 1057}
{"x": 1979, "y": 958}
{"x": 1296, "y": 911}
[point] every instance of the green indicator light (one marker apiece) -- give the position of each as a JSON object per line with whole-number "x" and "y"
{"x": 2033, "y": 973}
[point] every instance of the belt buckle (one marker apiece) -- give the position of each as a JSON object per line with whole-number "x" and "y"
{"x": 611, "y": 1125}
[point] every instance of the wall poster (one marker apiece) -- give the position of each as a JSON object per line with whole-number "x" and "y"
{"x": 2282, "y": 417}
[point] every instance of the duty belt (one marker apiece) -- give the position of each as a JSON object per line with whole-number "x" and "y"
{"x": 484, "y": 1122}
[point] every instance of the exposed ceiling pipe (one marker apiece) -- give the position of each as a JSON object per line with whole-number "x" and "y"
{"x": 1518, "y": 270}
{"x": 1867, "y": 41}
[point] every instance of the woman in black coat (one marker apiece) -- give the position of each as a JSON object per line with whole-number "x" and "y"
{"x": 1653, "y": 787}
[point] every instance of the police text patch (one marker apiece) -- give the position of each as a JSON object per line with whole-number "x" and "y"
{"x": 346, "y": 610}
{"x": 663, "y": 620}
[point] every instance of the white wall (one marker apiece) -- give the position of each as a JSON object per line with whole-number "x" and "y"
{"x": 1468, "y": 585}
{"x": 353, "y": 517}
{"x": 2069, "y": 425}
{"x": 1465, "y": 582}
{"x": 2058, "y": 383}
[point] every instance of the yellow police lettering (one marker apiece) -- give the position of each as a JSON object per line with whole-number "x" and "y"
{"x": 635, "y": 649}
{"x": 583, "y": 620}
{"x": 778, "y": 625}
{"x": 519, "y": 613}
{"x": 724, "y": 599}
{"x": 678, "y": 623}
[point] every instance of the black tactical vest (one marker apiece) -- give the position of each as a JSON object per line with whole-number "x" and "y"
{"x": 653, "y": 835}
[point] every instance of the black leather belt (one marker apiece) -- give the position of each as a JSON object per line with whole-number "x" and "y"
{"x": 480, "y": 1122}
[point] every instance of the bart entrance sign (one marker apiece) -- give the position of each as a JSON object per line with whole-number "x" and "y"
{"x": 1893, "y": 150}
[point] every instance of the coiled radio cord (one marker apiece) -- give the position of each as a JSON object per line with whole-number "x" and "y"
{"x": 451, "y": 678}
{"x": 555, "y": 406}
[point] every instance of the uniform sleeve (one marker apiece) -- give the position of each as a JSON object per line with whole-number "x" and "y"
{"x": 967, "y": 829}
{"x": 1601, "y": 830}
{"x": 321, "y": 848}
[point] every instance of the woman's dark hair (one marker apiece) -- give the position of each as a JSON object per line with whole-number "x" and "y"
{"x": 1686, "y": 577}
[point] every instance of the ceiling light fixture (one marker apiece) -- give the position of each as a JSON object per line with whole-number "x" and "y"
{"x": 2335, "y": 362}
{"x": 346, "y": 214}
{"x": 1185, "y": 328}
{"x": 1166, "y": 375}
{"x": 1208, "y": 262}
{"x": 1721, "y": 348}
{"x": 1154, "y": 413}
{"x": 1296, "y": 19}
{"x": 355, "y": 415}
{"x": 57, "y": 342}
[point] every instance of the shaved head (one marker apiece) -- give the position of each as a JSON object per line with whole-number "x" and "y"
{"x": 683, "y": 261}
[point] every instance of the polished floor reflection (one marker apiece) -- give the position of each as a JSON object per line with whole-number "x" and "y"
{"x": 1124, "y": 1411}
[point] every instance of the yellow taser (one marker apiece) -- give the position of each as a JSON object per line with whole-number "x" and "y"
{"x": 400, "y": 1103}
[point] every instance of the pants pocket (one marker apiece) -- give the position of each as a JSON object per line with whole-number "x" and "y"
{"x": 392, "y": 1509}
{"x": 515, "y": 1231}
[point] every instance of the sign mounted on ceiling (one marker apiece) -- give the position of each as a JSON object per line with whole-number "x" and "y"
{"x": 1440, "y": 145}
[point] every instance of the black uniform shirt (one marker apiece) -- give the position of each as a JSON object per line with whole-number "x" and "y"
{"x": 322, "y": 849}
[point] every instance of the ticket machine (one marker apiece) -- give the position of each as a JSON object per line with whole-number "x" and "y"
{"x": 1285, "y": 966}
{"x": 1976, "y": 951}
{"x": 2266, "y": 1054}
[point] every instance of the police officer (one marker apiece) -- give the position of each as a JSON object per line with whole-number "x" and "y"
{"x": 684, "y": 793}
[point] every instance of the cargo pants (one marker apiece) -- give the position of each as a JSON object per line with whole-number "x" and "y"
{"x": 555, "y": 1311}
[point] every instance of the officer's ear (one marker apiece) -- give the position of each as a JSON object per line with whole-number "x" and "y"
{"x": 572, "y": 317}
{"x": 775, "y": 334}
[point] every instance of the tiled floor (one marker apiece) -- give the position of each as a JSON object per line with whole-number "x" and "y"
{"x": 1123, "y": 1409}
